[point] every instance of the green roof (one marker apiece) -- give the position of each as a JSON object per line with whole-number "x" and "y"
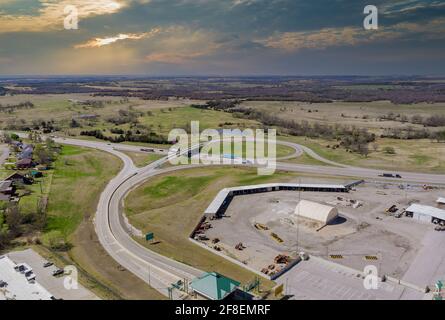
{"x": 214, "y": 285}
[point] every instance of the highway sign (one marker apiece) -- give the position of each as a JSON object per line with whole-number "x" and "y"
{"x": 149, "y": 236}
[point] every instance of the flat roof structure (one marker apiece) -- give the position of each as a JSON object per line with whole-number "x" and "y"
{"x": 214, "y": 286}
{"x": 15, "y": 286}
{"x": 427, "y": 210}
{"x": 222, "y": 198}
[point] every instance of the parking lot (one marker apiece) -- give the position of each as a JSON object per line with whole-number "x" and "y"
{"x": 316, "y": 279}
{"x": 55, "y": 285}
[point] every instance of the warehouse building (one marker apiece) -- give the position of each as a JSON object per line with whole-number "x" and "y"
{"x": 426, "y": 214}
{"x": 316, "y": 211}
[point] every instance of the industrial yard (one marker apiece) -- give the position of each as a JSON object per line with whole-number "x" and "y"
{"x": 266, "y": 233}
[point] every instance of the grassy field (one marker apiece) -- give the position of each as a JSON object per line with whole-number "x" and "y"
{"x": 359, "y": 114}
{"x": 142, "y": 159}
{"x": 163, "y": 121}
{"x": 59, "y": 106}
{"x": 281, "y": 150}
{"x": 78, "y": 179}
{"x": 171, "y": 205}
{"x": 410, "y": 155}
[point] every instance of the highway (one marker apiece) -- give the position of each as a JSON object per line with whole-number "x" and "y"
{"x": 159, "y": 271}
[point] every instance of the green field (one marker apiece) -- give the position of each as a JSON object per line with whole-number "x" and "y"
{"x": 358, "y": 114}
{"x": 142, "y": 159}
{"x": 78, "y": 179}
{"x": 410, "y": 155}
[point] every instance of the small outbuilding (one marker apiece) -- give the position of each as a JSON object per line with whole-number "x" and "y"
{"x": 214, "y": 286}
{"x": 316, "y": 211}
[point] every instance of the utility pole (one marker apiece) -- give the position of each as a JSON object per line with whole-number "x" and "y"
{"x": 298, "y": 214}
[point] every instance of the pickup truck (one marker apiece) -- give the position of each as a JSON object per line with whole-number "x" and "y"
{"x": 390, "y": 175}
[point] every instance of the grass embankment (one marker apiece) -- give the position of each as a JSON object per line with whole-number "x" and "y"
{"x": 172, "y": 204}
{"x": 143, "y": 159}
{"x": 78, "y": 179}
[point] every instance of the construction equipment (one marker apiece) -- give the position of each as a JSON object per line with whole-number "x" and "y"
{"x": 392, "y": 209}
{"x": 370, "y": 258}
{"x": 261, "y": 227}
{"x": 240, "y": 246}
{"x": 276, "y": 238}
{"x": 202, "y": 238}
{"x": 282, "y": 259}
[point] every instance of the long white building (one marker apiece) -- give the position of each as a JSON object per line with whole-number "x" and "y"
{"x": 425, "y": 213}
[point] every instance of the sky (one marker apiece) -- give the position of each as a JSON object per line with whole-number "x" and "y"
{"x": 221, "y": 37}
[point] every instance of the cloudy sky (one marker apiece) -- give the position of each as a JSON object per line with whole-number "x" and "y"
{"x": 222, "y": 37}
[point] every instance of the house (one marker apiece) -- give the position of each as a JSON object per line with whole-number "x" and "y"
{"x": 24, "y": 164}
{"x": 214, "y": 286}
{"x": 18, "y": 178}
{"x": 26, "y": 153}
{"x": 7, "y": 190}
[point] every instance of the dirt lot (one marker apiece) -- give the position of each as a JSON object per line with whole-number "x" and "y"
{"x": 358, "y": 232}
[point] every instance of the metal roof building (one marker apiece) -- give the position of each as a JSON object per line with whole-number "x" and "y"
{"x": 315, "y": 211}
{"x": 224, "y": 197}
{"x": 214, "y": 286}
{"x": 423, "y": 212}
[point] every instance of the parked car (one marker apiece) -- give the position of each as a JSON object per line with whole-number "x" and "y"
{"x": 58, "y": 272}
{"x": 47, "y": 264}
{"x": 30, "y": 276}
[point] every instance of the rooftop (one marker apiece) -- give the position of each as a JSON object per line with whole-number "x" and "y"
{"x": 427, "y": 210}
{"x": 222, "y": 195}
{"x": 5, "y": 185}
{"x": 214, "y": 286}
